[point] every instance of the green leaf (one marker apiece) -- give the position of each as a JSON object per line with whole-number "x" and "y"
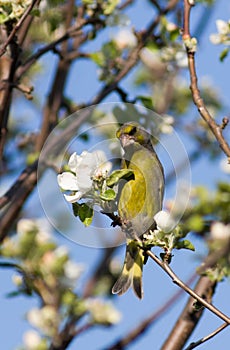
{"x": 109, "y": 7}
{"x": 108, "y": 195}
{"x": 35, "y": 12}
{"x": 195, "y": 223}
{"x": 75, "y": 207}
{"x": 14, "y": 294}
{"x": 98, "y": 58}
{"x": 110, "y": 50}
{"x": 88, "y": 2}
{"x": 85, "y": 214}
{"x": 186, "y": 244}
{"x": 224, "y": 54}
{"x": 3, "y": 18}
{"x": 117, "y": 175}
{"x": 146, "y": 101}
{"x": 174, "y": 34}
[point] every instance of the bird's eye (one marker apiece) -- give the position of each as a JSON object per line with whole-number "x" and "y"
{"x": 133, "y": 131}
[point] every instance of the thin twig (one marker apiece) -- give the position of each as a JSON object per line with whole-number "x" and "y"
{"x": 188, "y": 290}
{"x": 70, "y": 33}
{"x": 214, "y": 256}
{"x": 14, "y": 207}
{"x": 144, "y": 325}
{"x": 55, "y": 97}
{"x": 134, "y": 54}
{"x": 204, "y": 113}
{"x": 190, "y": 316}
{"x": 17, "y": 26}
{"x": 207, "y": 337}
{"x": 125, "y": 4}
{"x": 69, "y": 333}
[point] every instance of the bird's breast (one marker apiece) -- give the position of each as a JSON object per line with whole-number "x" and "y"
{"x": 141, "y": 198}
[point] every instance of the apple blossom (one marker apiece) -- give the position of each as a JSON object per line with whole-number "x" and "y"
{"x": 222, "y": 37}
{"x": 84, "y": 170}
{"x": 220, "y": 230}
{"x": 164, "y": 221}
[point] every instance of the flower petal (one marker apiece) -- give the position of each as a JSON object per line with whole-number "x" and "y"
{"x": 215, "y": 39}
{"x": 103, "y": 166}
{"x": 67, "y": 181}
{"x": 164, "y": 221}
{"x": 222, "y": 26}
{"x": 220, "y": 231}
{"x": 74, "y": 197}
{"x": 88, "y": 163}
{"x": 74, "y": 161}
{"x": 84, "y": 181}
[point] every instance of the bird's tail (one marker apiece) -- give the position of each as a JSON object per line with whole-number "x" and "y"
{"x": 132, "y": 271}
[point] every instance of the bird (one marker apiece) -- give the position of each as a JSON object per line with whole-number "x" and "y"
{"x": 139, "y": 199}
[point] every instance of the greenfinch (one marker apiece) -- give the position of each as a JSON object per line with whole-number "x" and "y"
{"x": 138, "y": 201}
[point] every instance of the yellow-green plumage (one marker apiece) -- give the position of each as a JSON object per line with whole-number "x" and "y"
{"x": 140, "y": 199}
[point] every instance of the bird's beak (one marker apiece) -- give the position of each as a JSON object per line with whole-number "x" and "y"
{"x": 125, "y": 140}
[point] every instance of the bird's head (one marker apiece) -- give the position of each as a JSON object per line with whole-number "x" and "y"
{"x": 132, "y": 132}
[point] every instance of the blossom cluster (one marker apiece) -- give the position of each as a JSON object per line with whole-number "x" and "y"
{"x": 85, "y": 171}
{"x": 89, "y": 182}
{"x": 223, "y": 35}
{"x": 13, "y": 9}
{"x": 47, "y": 271}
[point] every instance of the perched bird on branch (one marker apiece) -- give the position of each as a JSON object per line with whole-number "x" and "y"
{"x": 139, "y": 200}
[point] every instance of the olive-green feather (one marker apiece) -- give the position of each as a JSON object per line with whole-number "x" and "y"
{"x": 132, "y": 271}
{"x": 138, "y": 201}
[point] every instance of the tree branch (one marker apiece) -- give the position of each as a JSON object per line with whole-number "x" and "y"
{"x": 148, "y": 322}
{"x": 188, "y": 290}
{"x": 190, "y": 316}
{"x": 17, "y": 26}
{"x": 216, "y": 129}
{"x": 17, "y": 195}
{"x": 54, "y": 101}
{"x": 134, "y": 54}
{"x": 207, "y": 337}
{"x": 70, "y": 33}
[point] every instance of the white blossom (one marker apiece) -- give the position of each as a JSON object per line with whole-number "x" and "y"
{"x": 51, "y": 258}
{"x": 31, "y": 340}
{"x": 223, "y": 35}
{"x": 181, "y": 59}
{"x": 46, "y": 319}
{"x": 220, "y": 230}
{"x": 222, "y": 26}
{"x": 26, "y": 225}
{"x": 40, "y": 226}
{"x": 103, "y": 166}
{"x": 103, "y": 312}
{"x": 61, "y": 251}
{"x": 164, "y": 221}
{"x": 170, "y": 26}
{"x": 152, "y": 59}
{"x": 84, "y": 169}
{"x": 34, "y": 317}
{"x": 225, "y": 166}
{"x": 72, "y": 272}
{"x": 125, "y": 39}
{"x": 166, "y": 125}
{"x": 17, "y": 280}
